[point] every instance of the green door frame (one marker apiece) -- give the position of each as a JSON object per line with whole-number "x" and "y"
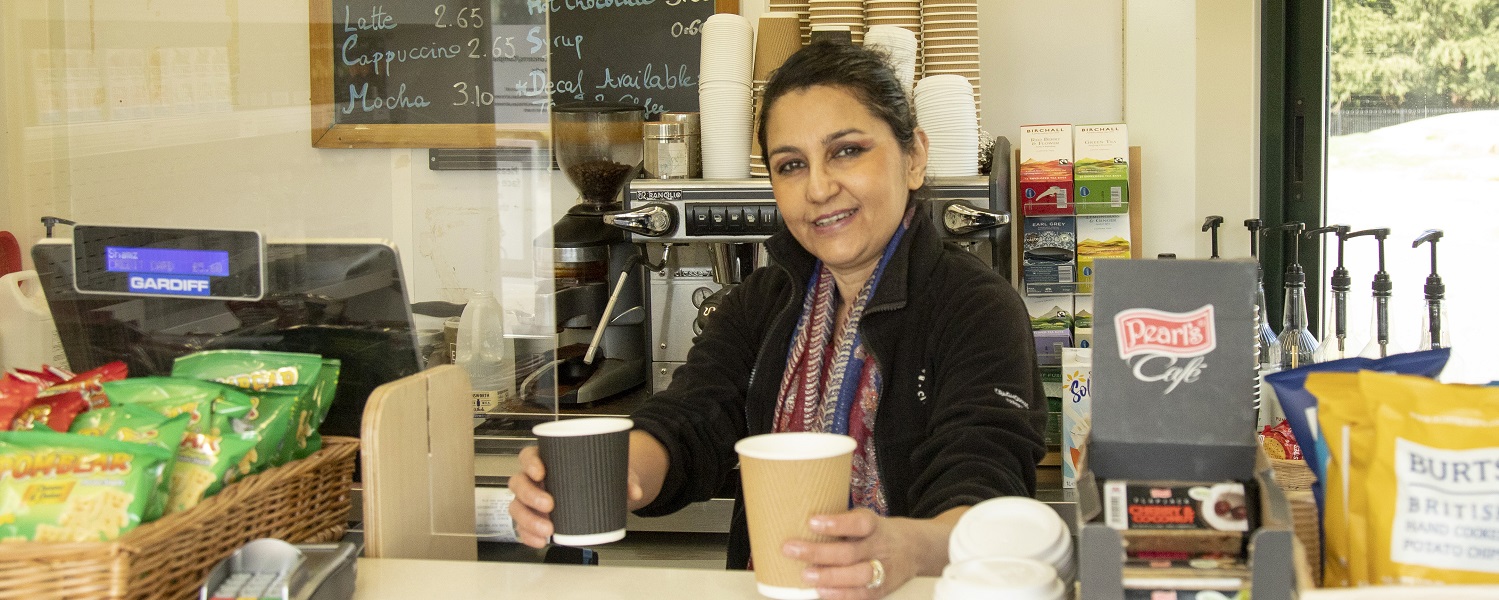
{"x": 1293, "y": 133}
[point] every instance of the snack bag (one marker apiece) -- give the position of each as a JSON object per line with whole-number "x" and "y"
{"x": 1433, "y": 485}
{"x": 250, "y": 369}
{"x": 16, "y": 393}
{"x": 57, "y": 487}
{"x": 261, "y": 370}
{"x": 1300, "y": 406}
{"x": 206, "y": 462}
{"x": 1342, "y": 411}
{"x": 270, "y": 419}
{"x": 88, "y": 384}
{"x": 56, "y": 412}
{"x": 170, "y": 396}
{"x": 139, "y": 425}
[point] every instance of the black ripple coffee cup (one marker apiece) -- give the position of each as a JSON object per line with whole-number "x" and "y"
{"x": 587, "y": 470}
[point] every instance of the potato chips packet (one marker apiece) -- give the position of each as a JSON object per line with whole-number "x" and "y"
{"x": 311, "y": 376}
{"x": 212, "y": 453}
{"x": 250, "y": 369}
{"x": 57, "y": 487}
{"x": 1413, "y": 484}
{"x": 140, "y": 425}
{"x": 1433, "y": 482}
{"x": 271, "y": 419}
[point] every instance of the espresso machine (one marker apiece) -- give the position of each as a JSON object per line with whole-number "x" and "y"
{"x": 598, "y": 280}
{"x": 704, "y": 235}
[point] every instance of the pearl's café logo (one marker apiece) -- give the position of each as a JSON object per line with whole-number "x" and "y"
{"x": 1156, "y": 343}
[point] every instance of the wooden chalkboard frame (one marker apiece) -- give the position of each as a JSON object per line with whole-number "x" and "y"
{"x": 328, "y": 133}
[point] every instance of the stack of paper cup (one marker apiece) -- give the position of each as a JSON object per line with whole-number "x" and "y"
{"x": 803, "y": 11}
{"x": 900, "y": 48}
{"x": 777, "y": 38}
{"x": 724, "y": 95}
{"x": 905, "y": 14}
{"x": 839, "y": 13}
{"x": 1016, "y": 528}
{"x": 1008, "y": 578}
{"x": 950, "y": 41}
{"x": 945, "y": 110}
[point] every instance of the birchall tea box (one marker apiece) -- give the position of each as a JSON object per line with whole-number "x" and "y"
{"x": 1049, "y": 265}
{"x": 1077, "y": 409}
{"x": 1051, "y": 325}
{"x": 1046, "y": 170}
{"x": 1100, "y": 168}
{"x": 1099, "y": 236}
{"x": 1082, "y": 321}
{"x": 1173, "y": 354}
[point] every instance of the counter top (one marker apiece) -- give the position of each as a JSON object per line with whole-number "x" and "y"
{"x": 400, "y": 579}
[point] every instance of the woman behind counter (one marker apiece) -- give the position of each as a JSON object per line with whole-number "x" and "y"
{"x": 864, "y": 324}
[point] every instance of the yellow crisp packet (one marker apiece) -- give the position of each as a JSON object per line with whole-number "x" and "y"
{"x": 1341, "y": 409}
{"x": 1433, "y": 485}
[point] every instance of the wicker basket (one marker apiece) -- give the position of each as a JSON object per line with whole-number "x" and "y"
{"x": 302, "y": 501}
{"x": 1293, "y": 475}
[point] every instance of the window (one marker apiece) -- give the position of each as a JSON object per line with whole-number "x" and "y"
{"x": 1385, "y": 114}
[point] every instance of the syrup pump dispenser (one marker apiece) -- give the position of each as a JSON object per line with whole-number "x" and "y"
{"x": 1337, "y": 347}
{"x": 1269, "y": 343}
{"x": 1434, "y": 320}
{"x": 1211, "y": 224}
{"x": 1380, "y": 344}
{"x": 1297, "y": 344}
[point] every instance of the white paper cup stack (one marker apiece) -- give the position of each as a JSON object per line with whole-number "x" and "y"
{"x": 724, "y": 95}
{"x": 802, "y": 9}
{"x": 950, "y": 41}
{"x": 945, "y": 110}
{"x": 900, "y": 47}
{"x": 905, "y": 14}
{"x": 839, "y": 13}
{"x": 1014, "y": 528}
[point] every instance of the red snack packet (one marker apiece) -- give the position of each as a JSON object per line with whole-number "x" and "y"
{"x": 87, "y": 384}
{"x": 1279, "y": 442}
{"x": 16, "y": 393}
{"x": 56, "y": 412}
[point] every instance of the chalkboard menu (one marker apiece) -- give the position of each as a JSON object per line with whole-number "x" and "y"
{"x": 474, "y": 73}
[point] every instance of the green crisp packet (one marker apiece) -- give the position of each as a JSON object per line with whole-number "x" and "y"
{"x": 172, "y": 396}
{"x": 140, "y": 425}
{"x": 312, "y": 377}
{"x": 57, "y": 487}
{"x": 271, "y": 417}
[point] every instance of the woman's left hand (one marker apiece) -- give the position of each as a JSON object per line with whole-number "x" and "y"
{"x": 870, "y": 550}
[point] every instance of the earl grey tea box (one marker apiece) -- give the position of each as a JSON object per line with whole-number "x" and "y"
{"x": 1173, "y": 352}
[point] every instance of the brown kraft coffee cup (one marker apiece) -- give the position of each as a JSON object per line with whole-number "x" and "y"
{"x": 788, "y": 478}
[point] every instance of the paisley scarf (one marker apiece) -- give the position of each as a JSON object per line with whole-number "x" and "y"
{"x": 832, "y": 384}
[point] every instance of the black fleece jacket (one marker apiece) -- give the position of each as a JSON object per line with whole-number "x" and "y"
{"x": 962, "y": 411}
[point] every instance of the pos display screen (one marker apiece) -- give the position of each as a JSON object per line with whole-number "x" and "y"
{"x": 176, "y": 263}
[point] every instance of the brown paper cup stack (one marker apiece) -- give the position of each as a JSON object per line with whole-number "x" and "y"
{"x": 777, "y": 37}
{"x": 787, "y": 479}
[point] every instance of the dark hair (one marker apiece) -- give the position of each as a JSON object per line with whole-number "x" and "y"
{"x": 860, "y": 71}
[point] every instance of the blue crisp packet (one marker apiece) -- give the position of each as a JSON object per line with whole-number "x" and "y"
{"x": 1300, "y": 407}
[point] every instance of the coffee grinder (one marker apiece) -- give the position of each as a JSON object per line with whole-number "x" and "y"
{"x": 597, "y": 272}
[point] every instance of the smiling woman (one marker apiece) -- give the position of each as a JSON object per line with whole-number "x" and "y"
{"x": 864, "y": 325}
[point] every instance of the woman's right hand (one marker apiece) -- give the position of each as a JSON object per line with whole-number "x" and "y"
{"x": 532, "y": 508}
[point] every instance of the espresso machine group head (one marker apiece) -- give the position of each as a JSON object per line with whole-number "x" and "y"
{"x": 710, "y": 234}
